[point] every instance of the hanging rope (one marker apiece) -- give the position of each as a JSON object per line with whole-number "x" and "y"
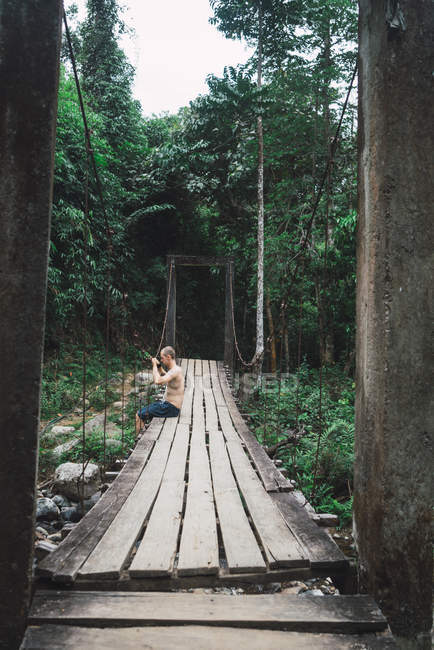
{"x": 169, "y": 290}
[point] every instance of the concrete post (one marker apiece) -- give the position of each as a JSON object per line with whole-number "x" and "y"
{"x": 171, "y": 309}
{"x": 30, "y": 32}
{"x": 394, "y": 408}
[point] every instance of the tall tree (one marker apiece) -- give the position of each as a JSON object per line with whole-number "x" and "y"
{"x": 259, "y": 22}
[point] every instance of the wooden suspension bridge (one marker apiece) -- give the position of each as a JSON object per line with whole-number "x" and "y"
{"x": 198, "y": 504}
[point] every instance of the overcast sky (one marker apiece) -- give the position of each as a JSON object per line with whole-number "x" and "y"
{"x": 173, "y": 50}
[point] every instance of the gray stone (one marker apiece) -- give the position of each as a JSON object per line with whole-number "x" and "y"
{"x": 41, "y": 531}
{"x": 44, "y": 548}
{"x": 59, "y": 430}
{"x": 143, "y": 377}
{"x": 61, "y": 501}
{"x": 71, "y": 513}
{"x": 97, "y": 423}
{"x": 46, "y": 509}
{"x": 312, "y": 593}
{"x": 69, "y": 480}
{"x": 55, "y": 537}
{"x": 67, "y": 529}
{"x": 89, "y": 503}
{"x": 63, "y": 448}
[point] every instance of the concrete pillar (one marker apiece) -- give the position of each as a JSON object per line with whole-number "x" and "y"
{"x": 394, "y": 407}
{"x": 30, "y": 33}
{"x": 171, "y": 308}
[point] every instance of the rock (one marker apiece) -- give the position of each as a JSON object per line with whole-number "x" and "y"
{"x": 67, "y": 529}
{"x": 143, "y": 377}
{"x": 66, "y": 446}
{"x": 118, "y": 405}
{"x": 55, "y": 537}
{"x": 71, "y": 513}
{"x": 294, "y": 587}
{"x": 326, "y": 519}
{"x": 46, "y": 509}
{"x": 112, "y": 431}
{"x": 312, "y": 592}
{"x": 89, "y": 503}
{"x": 68, "y": 480}
{"x": 61, "y": 501}
{"x": 59, "y": 430}
{"x": 44, "y": 548}
{"x": 41, "y": 531}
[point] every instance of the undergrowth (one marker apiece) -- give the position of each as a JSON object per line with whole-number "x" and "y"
{"x": 289, "y": 411}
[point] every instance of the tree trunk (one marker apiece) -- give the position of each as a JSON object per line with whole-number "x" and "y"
{"x": 394, "y": 378}
{"x": 259, "y": 352}
{"x": 273, "y": 356}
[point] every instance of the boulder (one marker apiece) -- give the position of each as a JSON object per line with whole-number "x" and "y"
{"x": 71, "y": 513}
{"x": 66, "y": 446}
{"x": 46, "y": 509}
{"x": 97, "y": 423}
{"x": 143, "y": 377}
{"x": 89, "y": 503}
{"x": 68, "y": 480}
{"x": 59, "y": 430}
{"x": 61, "y": 501}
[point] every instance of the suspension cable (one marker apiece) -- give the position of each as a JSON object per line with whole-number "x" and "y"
{"x": 169, "y": 291}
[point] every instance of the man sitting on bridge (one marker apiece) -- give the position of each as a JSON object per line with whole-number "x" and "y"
{"x": 173, "y": 378}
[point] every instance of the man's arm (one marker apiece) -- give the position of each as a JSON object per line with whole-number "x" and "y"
{"x": 162, "y": 379}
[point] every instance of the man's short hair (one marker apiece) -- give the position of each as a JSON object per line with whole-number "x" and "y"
{"x": 168, "y": 351}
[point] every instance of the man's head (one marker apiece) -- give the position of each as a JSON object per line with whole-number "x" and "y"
{"x": 167, "y": 354}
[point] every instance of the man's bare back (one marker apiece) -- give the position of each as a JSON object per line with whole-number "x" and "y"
{"x": 175, "y": 387}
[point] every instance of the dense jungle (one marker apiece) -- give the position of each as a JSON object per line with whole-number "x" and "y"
{"x": 187, "y": 183}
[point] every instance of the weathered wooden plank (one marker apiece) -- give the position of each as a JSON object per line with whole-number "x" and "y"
{"x": 156, "y": 553}
{"x": 111, "y": 554}
{"x": 215, "y": 382}
{"x": 198, "y": 552}
{"x": 199, "y": 637}
{"x": 226, "y": 425}
{"x": 183, "y": 363}
{"x": 352, "y": 614}
{"x": 241, "y": 548}
{"x": 198, "y": 367}
{"x": 185, "y": 414}
{"x": 211, "y": 420}
{"x": 280, "y": 546}
{"x": 64, "y": 563}
{"x": 319, "y": 546}
{"x": 270, "y": 475}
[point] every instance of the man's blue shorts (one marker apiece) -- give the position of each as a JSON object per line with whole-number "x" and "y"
{"x": 160, "y": 409}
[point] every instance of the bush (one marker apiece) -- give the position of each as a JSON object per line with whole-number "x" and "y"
{"x": 328, "y": 482}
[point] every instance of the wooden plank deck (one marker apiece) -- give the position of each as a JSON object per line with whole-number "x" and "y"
{"x": 198, "y": 503}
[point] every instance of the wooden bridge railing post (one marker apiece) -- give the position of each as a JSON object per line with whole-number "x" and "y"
{"x": 229, "y": 330}
{"x": 171, "y": 308}
{"x": 30, "y": 37}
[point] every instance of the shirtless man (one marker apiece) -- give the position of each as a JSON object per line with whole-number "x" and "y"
{"x": 173, "y": 379}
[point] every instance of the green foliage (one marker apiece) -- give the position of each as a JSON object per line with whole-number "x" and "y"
{"x": 274, "y": 412}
